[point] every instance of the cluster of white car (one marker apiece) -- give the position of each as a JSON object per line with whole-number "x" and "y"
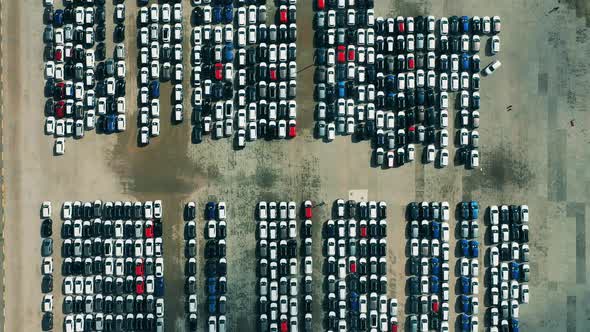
{"x": 356, "y": 268}
{"x": 113, "y": 269}
{"x": 82, "y": 91}
{"x": 279, "y": 300}
{"x": 264, "y": 76}
{"x": 429, "y": 267}
{"x": 159, "y": 39}
{"x": 388, "y": 79}
{"x": 509, "y": 268}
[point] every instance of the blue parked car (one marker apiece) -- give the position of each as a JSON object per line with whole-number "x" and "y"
{"x": 474, "y": 209}
{"x": 155, "y": 89}
{"x": 159, "y": 288}
{"x": 109, "y": 123}
{"x": 435, "y": 266}
{"x": 216, "y": 17}
{"x": 434, "y": 284}
{"x": 464, "y": 282}
{"x": 474, "y": 247}
{"x": 464, "y": 62}
{"x": 210, "y": 211}
{"x": 212, "y": 304}
{"x": 435, "y": 230}
{"x": 464, "y": 24}
{"x": 211, "y": 286}
{"x": 465, "y": 323}
{"x": 228, "y": 14}
{"x": 514, "y": 323}
{"x": 464, "y": 303}
{"x": 464, "y": 211}
{"x": 390, "y": 83}
{"x": 515, "y": 270}
{"x": 464, "y": 245}
{"x": 341, "y": 89}
{"x": 228, "y": 52}
{"x": 58, "y": 18}
{"x": 354, "y": 301}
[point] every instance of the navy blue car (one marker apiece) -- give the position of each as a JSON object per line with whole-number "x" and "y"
{"x": 159, "y": 289}
{"x": 464, "y": 62}
{"x": 465, "y": 323}
{"x": 464, "y": 284}
{"x": 109, "y": 123}
{"x": 58, "y": 18}
{"x": 228, "y": 14}
{"x": 354, "y": 301}
{"x": 216, "y": 17}
{"x": 515, "y": 270}
{"x": 212, "y": 304}
{"x": 435, "y": 230}
{"x": 211, "y": 286}
{"x": 155, "y": 89}
{"x": 464, "y": 303}
{"x": 435, "y": 266}
{"x": 434, "y": 284}
{"x": 210, "y": 210}
{"x": 464, "y": 245}
{"x": 474, "y": 248}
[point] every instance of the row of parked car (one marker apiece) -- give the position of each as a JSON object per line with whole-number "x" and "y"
{"x": 279, "y": 276}
{"x": 113, "y": 270}
{"x": 215, "y": 267}
{"x": 259, "y": 62}
{"x": 429, "y": 296}
{"x": 468, "y": 264}
{"x": 508, "y": 265}
{"x": 159, "y": 39}
{"x": 84, "y": 92}
{"x": 356, "y": 268}
{"x": 46, "y": 269}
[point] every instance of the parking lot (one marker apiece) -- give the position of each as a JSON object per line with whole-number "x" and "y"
{"x": 533, "y": 152}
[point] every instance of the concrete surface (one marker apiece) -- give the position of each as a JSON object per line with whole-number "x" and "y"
{"x": 529, "y": 155}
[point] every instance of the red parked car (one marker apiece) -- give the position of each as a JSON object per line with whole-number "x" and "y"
{"x": 139, "y": 269}
{"x": 341, "y": 54}
{"x": 283, "y": 14}
{"x": 139, "y": 286}
{"x": 149, "y": 231}
{"x": 273, "y": 74}
{"x": 292, "y": 128}
{"x": 411, "y": 63}
{"x": 435, "y": 306}
{"x": 58, "y": 56}
{"x": 284, "y": 326}
{"x": 351, "y": 54}
{"x": 219, "y": 71}
{"x": 307, "y": 207}
{"x": 363, "y": 231}
{"x": 321, "y": 4}
{"x": 401, "y": 26}
{"x": 60, "y": 109}
{"x": 393, "y": 327}
{"x": 352, "y": 267}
